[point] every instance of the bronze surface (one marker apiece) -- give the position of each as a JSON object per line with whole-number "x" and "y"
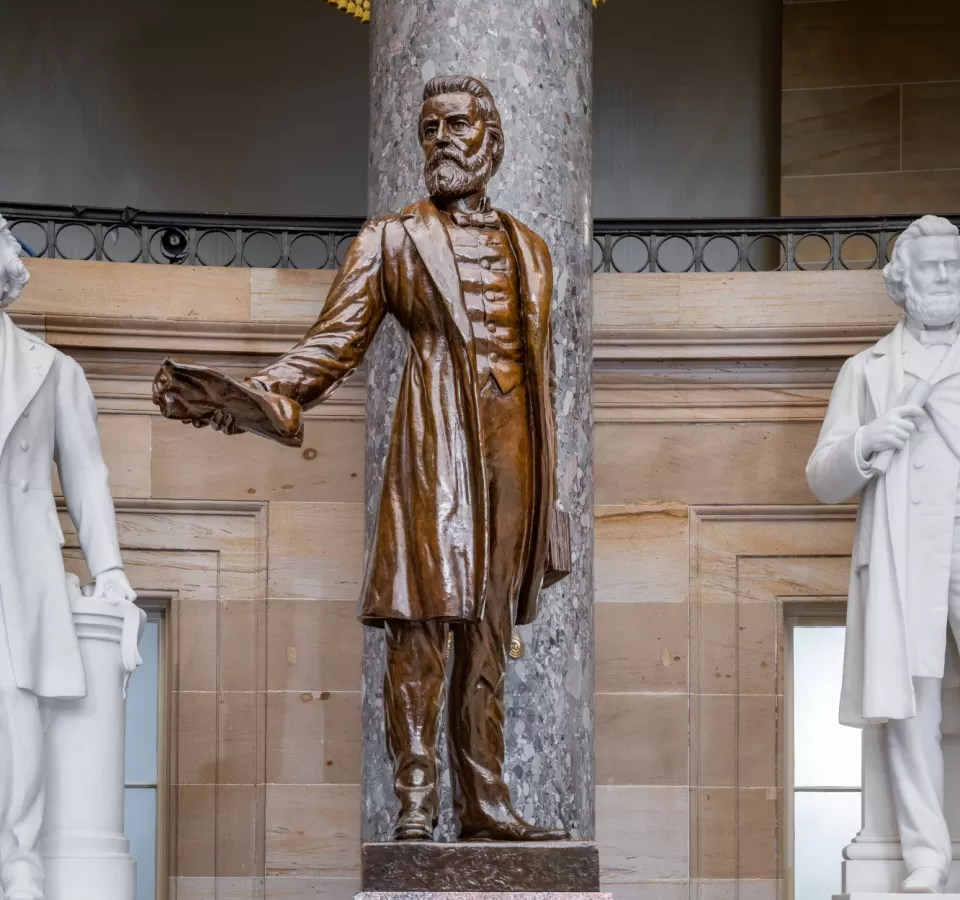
{"x": 467, "y": 509}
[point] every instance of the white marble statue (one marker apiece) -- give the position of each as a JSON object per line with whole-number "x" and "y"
{"x": 892, "y": 435}
{"x": 47, "y": 413}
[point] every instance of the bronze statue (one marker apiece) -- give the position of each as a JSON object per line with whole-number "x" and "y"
{"x": 467, "y": 515}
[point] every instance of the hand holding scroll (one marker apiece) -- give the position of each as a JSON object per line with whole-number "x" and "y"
{"x": 203, "y": 396}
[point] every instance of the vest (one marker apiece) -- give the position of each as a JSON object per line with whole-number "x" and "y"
{"x": 490, "y": 282}
{"x": 914, "y": 342}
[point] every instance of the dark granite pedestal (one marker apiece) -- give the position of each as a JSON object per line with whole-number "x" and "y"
{"x": 500, "y": 895}
{"x": 557, "y": 866}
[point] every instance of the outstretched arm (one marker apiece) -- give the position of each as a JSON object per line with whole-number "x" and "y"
{"x": 336, "y": 344}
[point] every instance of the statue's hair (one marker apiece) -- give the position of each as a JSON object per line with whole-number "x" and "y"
{"x": 895, "y": 271}
{"x": 467, "y": 84}
{"x": 12, "y": 268}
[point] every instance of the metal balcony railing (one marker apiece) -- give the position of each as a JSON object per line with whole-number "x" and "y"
{"x": 307, "y": 242}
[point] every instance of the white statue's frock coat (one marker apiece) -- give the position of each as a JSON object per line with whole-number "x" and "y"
{"x": 47, "y": 413}
{"x": 897, "y": 600}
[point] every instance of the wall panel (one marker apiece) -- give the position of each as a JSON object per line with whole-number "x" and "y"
{"x": 868, "y": 114}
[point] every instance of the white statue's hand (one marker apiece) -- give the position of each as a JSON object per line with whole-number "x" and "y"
{"x": 114, "y": 587}
{"x": 891, "y": 431}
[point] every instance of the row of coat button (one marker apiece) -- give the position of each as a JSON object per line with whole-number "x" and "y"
{"x": 25, "y": 446}
{"x": 925, "y": 427}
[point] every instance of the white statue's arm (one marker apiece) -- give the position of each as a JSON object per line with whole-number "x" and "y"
{"x": 837, "y": 468}
{"x": 83, "y": 477}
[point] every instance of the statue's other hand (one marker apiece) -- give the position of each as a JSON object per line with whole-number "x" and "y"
{"x": 112, "y": 585}
{"x": 891, "y": 431}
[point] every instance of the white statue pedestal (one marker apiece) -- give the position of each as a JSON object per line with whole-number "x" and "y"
{"x": 86, "y": 855}
{"x": 872, "y": 862}
{"x": 867, "y": 895}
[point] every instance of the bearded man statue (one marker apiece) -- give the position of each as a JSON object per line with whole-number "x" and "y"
{"x": 47, "y": 414}
{"x": 467, "y": 506}
{"x": 892, "y": 435}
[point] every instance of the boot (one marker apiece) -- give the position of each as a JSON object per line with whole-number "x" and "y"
{"x": 503, "y": 824}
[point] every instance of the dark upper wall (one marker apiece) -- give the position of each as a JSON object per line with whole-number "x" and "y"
{"x": 255, "y": 107}
{"x": 687, "y": 107}
{"x": 210, "y": 105}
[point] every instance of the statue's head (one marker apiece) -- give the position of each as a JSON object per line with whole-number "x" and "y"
{"x": 923, "y": 275}
{"x": 13, "y": 273}
{"x": 461, "y": 136}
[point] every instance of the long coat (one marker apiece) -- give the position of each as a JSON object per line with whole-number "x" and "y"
{"x": 428, "y": 559}
{"x": 897, "y": 599}
{"x": 47, "y": 414}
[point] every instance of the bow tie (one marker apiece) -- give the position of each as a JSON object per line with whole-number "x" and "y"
{"x": 475, "y": 219}
{"x": 931, "y": 338}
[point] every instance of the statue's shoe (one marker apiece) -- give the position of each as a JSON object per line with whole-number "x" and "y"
{"x": 414, "y": 824}
{"x": 22, "y": 880}
{"x": 24, "y": 892}
{"x": 508, "y": 827}
{"x": 925, "y": 880}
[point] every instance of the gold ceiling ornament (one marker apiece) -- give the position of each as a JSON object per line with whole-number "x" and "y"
{"x": 360, "y": 9}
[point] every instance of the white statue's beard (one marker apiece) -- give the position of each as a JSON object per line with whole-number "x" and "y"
{"x": 933, "y": 310}
{"x": 451, "y": 175}
{"x": 13, "y": 273}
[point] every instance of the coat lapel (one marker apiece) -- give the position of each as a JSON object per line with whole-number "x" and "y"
{"x": 23, "y": 368}
{"x": 429, "y": 235}
{"x": 951, "y": 363}
{"x": 532, "y": 276}
{"x": 917, "y": 361}
{"x": 884, "y": 372}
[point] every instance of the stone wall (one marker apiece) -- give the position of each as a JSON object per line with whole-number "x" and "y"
{"x": 871, "y": 105}
{"x": 709, "y": 390}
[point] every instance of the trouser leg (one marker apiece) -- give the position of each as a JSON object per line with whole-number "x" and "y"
{"x": 477, "y": 715}
{"x": 22, "y": 770}
{"x": 916, "y": 769}
{"x": 413, "y": 698}
{"x": 480, "y": 649}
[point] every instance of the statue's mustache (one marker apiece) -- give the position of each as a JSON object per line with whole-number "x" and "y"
{"x": 439, "y": 156}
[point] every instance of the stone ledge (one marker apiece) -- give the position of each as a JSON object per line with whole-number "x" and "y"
{"x": 411, "y": 867}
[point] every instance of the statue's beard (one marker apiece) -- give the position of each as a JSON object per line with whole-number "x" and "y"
{"x": 451, "y": 174}
{"x": 934, "y": 310}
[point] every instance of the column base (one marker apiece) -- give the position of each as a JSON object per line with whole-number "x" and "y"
{"x": 869, "y": 895}
{"x": 878, "y": 869}
{"x": 73, "y": 878}
{"x": 413, "y": 870}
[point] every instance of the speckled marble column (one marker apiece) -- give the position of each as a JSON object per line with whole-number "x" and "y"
{"x": 536, "y": 57}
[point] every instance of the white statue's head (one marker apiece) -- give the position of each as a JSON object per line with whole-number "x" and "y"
{"x": 923, "y": 275}
{"x": 13, "y": 273}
